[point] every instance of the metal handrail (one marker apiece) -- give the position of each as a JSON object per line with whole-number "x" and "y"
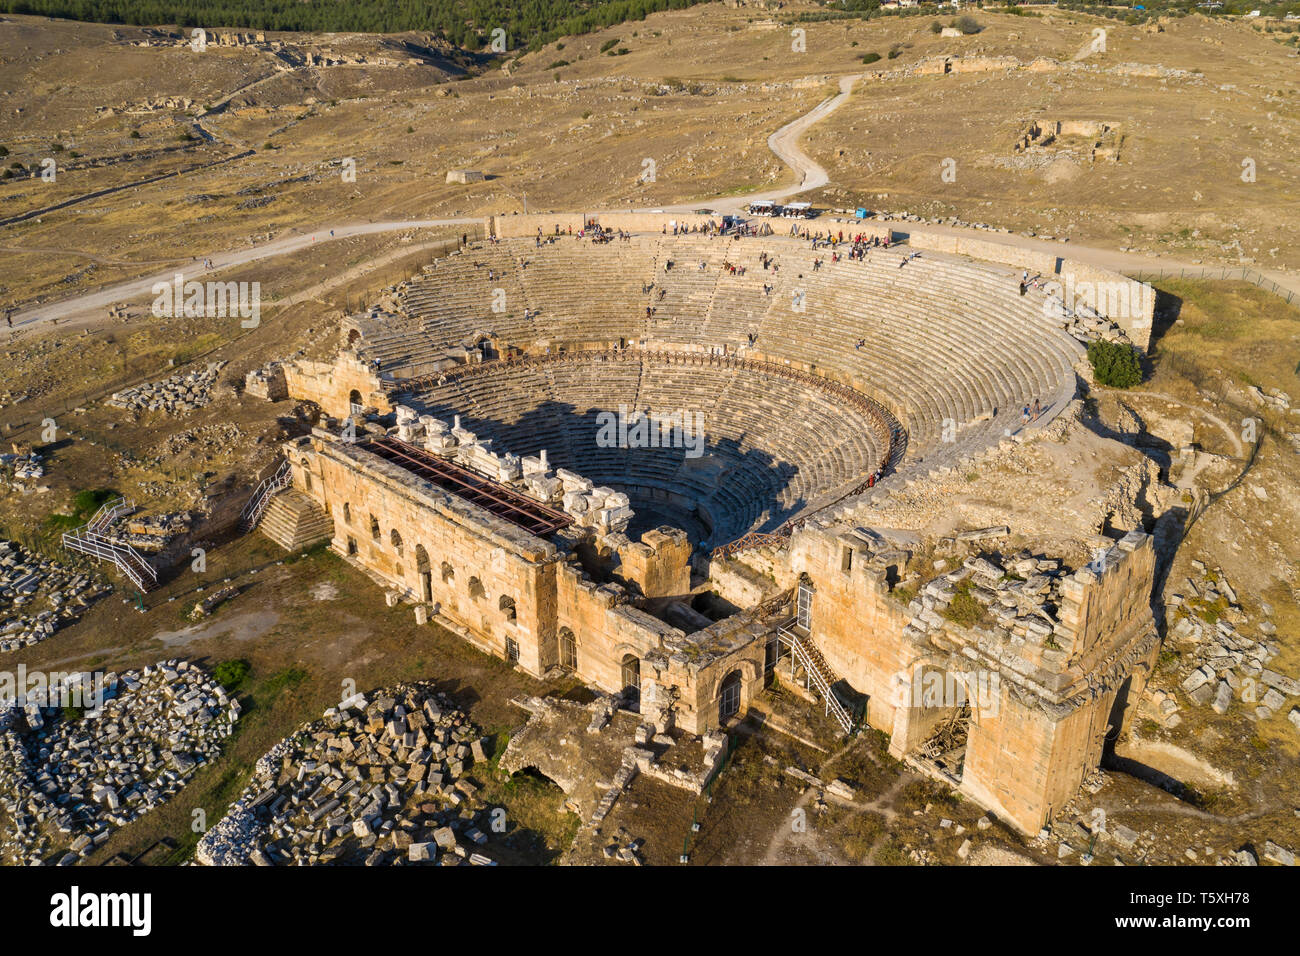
{"x": 125, "y": 557}
{"x": 805, "y": 659}
{"x": 261, "y": 496}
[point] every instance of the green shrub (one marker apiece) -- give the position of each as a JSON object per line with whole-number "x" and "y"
{"x": 936, "y": 26}
{"x": 1114, "y": 364}
{"x": 230, "y": 674}
{"x": 870, "y": 57}
{"x": 967, "y": 24}
{"x": 609, "y": 44}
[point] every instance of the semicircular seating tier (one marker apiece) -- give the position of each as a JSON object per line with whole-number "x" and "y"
{"x": 945, "y": 343}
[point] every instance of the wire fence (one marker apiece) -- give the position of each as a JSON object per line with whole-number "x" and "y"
{"x": 1220, "y": 275}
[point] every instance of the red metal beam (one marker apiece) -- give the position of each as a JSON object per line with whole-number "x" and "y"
{"x": 501, "y": 500}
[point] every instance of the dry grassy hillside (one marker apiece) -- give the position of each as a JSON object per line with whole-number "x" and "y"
{"x": 698, "y": 92}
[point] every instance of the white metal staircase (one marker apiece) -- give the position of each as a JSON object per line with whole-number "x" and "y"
{"x": 92, "y": 539}
{"x": 817, "y": 673}
{"x": 262, "y": 496}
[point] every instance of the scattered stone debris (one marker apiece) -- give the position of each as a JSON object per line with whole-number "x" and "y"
{"x": 1225, "y": 657}
{"x": 26, "y": 582}
{"x": 594, "y": 751}
{"x": 379, "y": 782}
{"x": 204, "y": 607}
{"x": 182, "y": 392}
{"x": 26, "y": 466}
{"x": 1021, "y": 599}
{"x": 67, "y": 781}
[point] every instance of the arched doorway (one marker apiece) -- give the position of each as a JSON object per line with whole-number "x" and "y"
{"x": 424, "y": 573}
{"x": 354, "y": 403}
{"x": 632, "y": 680}
{"x": 729, "y": 697}
{"x": 568, "y": 649}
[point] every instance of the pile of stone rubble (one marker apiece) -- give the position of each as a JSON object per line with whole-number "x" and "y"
{"x": 67, "y": 781}
{"x": 204, "y": 607}
{"x": 151, "y": 533}
{"x": 182, "y": 392}
{"x": 26, "y": 467}
{"x": 38, "y": 596}
{"x": 379, "y": 782}
{"x": 1224, "y": 655}
{"x": 1022, "y": 598}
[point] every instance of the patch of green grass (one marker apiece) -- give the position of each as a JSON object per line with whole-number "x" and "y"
{"x": 283, "y": 680}
{"x": 84, "y": 505}
{"x": 963, "y": 609}
{"x": 891, "y": 854}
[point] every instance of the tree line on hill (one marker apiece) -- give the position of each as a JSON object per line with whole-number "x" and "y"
{"x": 529, "y": 24}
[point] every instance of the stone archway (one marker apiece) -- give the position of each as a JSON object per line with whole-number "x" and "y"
{"x": 568, "y": 649}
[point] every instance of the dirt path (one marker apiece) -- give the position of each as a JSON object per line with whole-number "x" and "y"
{"x": 133, "y": 288}
{"x": 882, "y": 805}
{"x": 785, "y": 144}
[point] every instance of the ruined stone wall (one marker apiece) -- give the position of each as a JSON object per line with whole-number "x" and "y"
{"x": 330, "y": 384}
{"x": 1036, "y": 262}
{"x": 1037, "y": 727}
{"x": 1103, "y": 605}
{"x": 506, "y": 227}
{"x": 703, "y": 683}
{"x": 659, "y": 565}
{"x": 605, "y": 629}
{"x": 856, "y": 625}
{"x": 1126, "y": 302}
{"x": 473, "y": 559}
{"x": 1009, "y": 763}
